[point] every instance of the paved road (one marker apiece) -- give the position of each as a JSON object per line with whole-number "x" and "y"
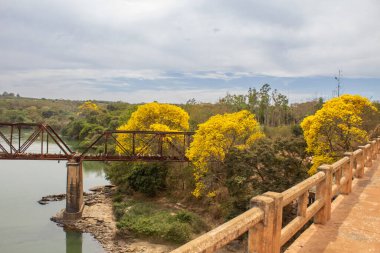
{"x": 355, "y": 221}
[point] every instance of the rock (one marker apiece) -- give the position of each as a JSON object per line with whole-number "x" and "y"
{"x": 96, "y": 188}
{"x": 45, "y": 200}
{"x": 102, "y": 188}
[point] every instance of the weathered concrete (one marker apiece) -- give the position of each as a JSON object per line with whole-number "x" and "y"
{"x": 354, "y": 224}
{"x": 74, "y": 190}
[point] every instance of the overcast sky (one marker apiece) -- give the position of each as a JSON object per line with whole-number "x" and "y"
{"x": 175, "y": 50}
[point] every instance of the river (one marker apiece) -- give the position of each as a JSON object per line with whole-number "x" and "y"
{"x": 25, "y": 225}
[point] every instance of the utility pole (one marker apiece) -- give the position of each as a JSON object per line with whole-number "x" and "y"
{"x": 338, "y": 80}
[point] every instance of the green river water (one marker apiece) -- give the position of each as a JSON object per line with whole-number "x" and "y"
{"x": 25, "y": 225}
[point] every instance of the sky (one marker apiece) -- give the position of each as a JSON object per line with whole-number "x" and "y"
{"x": 172, "y": 51}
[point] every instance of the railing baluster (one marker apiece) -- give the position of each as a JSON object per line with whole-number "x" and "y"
{"x": 324, "y": 192}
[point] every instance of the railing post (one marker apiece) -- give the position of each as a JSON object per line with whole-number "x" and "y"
{"x": 361, "y": 161}
{"x": 260, "y": 237}
{"x": 324, "y": 191}
{"x": 348, "y": 171}
{"x": 277, "y": 222}
{"x": 303, "y": 200}
{"x": 365, "y": 155}
{"x": 373, "y": 150}
{"x": 370, "y": 154}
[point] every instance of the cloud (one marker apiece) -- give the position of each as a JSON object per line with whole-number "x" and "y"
{"x": 130, "y": 45}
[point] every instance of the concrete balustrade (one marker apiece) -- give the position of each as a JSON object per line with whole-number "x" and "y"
{"x": 252, "y": 220}
{"x": 263, "y": 221}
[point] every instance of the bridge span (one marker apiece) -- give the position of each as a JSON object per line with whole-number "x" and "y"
{"x": 30, "y": 141}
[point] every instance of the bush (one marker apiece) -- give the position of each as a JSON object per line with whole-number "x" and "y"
{"x": 198, "y": 225}
{"x": 147, "y": 178}
{"x": 146, "y": 219}
{"x": 178, "y": 232}
{"x": 297, "y": 130}
{"x": 268, "y": 165}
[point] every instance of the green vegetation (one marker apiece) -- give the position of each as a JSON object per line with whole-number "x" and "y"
{"x": 262, "y": 149}
{"x": 270, "y": 107}
{"x": 267, "y": 165}
{"x": 93, "y": 118}
{"x": 150, "y": 220}
{"x": 56, "y": 113}
{"x": 147, "y": 178}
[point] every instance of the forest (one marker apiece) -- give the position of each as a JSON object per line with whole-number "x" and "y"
{"x": 244, "y": 145}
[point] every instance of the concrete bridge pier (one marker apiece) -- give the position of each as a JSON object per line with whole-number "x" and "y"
{"x": 74, "y": 190}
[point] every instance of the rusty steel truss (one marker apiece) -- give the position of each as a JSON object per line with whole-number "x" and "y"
{"x": 29, "y": 141}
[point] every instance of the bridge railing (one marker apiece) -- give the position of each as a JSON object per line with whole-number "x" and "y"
{"x": 31, "y": 141}
{"x": 139, "y": 145}
{"x": 264, "y": 221}
{"x": 252, "y": 220}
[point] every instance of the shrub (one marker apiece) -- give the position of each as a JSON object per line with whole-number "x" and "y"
{"x": 149, "y": 220}
{"x": 147, "y": 178}
{"x": 268, "y": 165}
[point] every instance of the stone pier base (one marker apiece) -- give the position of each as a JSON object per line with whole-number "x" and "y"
{"x": 74, "y": 191}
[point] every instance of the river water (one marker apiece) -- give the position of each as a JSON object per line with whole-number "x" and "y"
{"x": 25, "y": 225}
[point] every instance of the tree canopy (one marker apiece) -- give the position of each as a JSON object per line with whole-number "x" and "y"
{"x": 214, "y": 139}
{"x": 154, "y": 117}
{"x": 336, "y": 128}
{"x": 88, "y": 106}
{"x": 267, "y": 165}
{"x": 270, "y": 106}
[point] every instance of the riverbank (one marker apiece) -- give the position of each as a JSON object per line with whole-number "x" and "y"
{"x": 98, "y": 220}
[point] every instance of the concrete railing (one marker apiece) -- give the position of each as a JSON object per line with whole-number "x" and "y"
{"x": 263, "y": 221}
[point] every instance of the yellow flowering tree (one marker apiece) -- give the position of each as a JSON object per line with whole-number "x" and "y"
{"x": 154, "y": 117}
{"x": 88, "y": 108}
{"x": 336, "y": 128}
{"x": 213, "y": 140}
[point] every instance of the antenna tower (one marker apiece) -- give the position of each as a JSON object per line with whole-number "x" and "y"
{"x": 338, "y": 79}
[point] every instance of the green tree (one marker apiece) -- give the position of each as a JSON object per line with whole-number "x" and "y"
{"x": 268, "y": 165}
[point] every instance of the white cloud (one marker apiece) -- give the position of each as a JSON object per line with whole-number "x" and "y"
{"x": 93, "y": 42}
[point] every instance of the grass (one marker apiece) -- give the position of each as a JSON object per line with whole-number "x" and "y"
{"x": 150, "y": 220}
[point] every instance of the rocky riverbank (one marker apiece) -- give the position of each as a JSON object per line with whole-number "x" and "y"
{"x": 98, "y": 220}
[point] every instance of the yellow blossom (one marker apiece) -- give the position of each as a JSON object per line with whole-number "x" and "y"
{"x": 215, "y": 138}
{"x": 335, "y": 128}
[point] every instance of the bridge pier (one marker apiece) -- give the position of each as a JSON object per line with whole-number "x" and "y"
{"x": 74, "y": 190}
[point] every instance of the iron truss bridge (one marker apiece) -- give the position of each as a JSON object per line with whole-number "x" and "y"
{"x": 29, "y": 141}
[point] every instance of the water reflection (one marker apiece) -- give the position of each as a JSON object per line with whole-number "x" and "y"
{"x": 94, "y": 168}
{"x": 25, "y": 225}
{"x": 74, "y": 242}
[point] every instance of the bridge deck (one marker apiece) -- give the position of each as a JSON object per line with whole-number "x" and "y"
{"x": 354, "y": 224}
